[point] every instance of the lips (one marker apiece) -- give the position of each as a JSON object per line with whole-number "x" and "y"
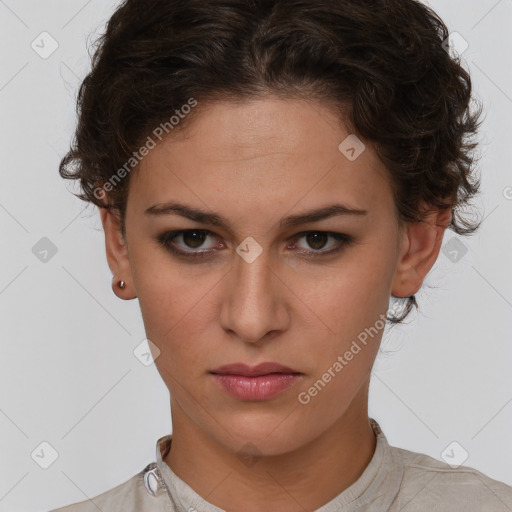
{"x": 253, "y": 371}
{"x": 255, "y": 383}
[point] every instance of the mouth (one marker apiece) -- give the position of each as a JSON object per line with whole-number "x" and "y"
{"x": 256, "y": 383}
{"x": 253, "y": 371}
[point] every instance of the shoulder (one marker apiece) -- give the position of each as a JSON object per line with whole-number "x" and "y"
{"x": 131, "y": 495}
{"x": 428, "y": 484}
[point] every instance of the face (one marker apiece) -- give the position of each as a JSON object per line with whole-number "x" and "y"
{"x": 255, "y": 287}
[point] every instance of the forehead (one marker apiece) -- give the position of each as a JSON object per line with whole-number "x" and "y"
{"x": 261, "y": 153}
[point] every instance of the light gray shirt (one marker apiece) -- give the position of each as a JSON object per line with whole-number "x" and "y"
{"x": 395, "y": 480}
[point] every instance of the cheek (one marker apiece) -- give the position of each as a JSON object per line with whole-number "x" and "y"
{"x": 169, "y": 293}
{"x": 171, "y": 305}
{"x": 352, "y": 302}
{"x": 352, "y": 297}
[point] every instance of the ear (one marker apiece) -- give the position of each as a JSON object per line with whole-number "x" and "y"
{"x": 420, "y": 249}
{"x": 117, "y": 254}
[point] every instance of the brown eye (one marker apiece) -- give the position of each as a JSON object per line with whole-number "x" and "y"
{"x": 194, "y": 239}
{"x": 317, "y": 240}
{"x": 184, "y": 242}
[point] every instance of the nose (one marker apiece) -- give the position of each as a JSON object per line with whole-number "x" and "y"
{"x": 254, "y": 305}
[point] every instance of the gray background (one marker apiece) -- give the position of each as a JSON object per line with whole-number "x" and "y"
{"x": 68, "y": 374}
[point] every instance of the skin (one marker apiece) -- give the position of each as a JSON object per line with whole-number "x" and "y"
{"x": 255, "y": 163}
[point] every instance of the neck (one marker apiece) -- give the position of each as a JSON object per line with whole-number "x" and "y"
{"x": 303, "y": 479}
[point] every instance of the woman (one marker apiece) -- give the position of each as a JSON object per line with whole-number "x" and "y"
{"x": 268, "y": 174}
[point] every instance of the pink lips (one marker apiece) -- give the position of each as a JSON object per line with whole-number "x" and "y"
{"x": 256, "y": 383}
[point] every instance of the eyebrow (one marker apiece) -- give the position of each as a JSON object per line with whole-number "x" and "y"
{"x": 214, "y": 219}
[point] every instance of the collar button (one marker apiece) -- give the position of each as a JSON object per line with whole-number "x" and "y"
{"x": 151, "y": 479}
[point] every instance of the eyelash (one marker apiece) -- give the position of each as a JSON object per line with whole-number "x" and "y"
{"x": 165, "y": 240}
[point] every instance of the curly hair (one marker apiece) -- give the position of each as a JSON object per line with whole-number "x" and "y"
{"x": 383, "y": 66}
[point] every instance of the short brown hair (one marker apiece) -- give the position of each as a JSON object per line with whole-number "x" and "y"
{"x": 383, "y": 65}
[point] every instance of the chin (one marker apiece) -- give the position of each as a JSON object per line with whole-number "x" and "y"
{"x": 262, "y": 435}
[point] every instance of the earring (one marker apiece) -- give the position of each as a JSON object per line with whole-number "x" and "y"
{"x": 121, "y": 285}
